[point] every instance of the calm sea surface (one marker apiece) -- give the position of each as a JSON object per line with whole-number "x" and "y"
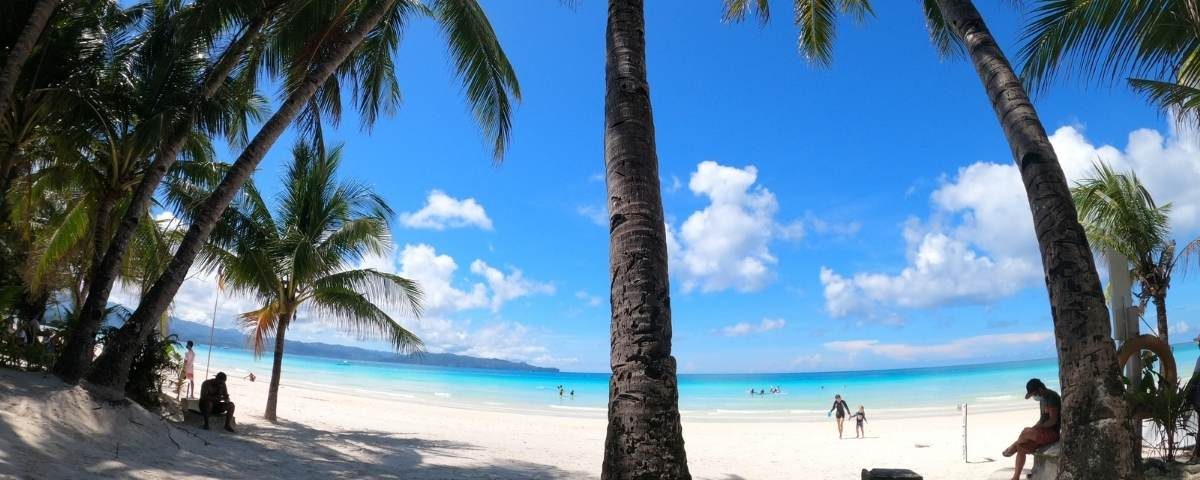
{"x": 905, "y": 392}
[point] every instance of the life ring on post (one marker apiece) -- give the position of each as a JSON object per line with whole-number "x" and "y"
{"x": 1153, "y": 344}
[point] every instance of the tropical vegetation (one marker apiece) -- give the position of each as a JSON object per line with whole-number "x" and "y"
{"x": 1149, "y": 44}
{"x": 300, "y": 259}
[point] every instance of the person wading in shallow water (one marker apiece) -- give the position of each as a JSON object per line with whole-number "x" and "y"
{"x": 1042, "y": 433}
{"x": 842, "y": 409}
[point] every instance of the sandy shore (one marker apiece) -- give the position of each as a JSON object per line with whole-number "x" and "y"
{"x": 50, "y": 431}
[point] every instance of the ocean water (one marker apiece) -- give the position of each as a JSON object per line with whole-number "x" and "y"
{"x": 890, "y": 393}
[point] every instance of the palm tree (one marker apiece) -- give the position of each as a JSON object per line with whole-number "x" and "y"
{"x": 297, "y": 261}
{"x": 1093, "y": 406}
{"x": 194, "y": 30}
{"x": 645, "y": 438}
{"x": 1152, "y": 44}
{"x": 1119, "y": 214}
{"x": 21, "y": 50}
{"x": 145, "y": 88}
{"x": 489, "y": 84}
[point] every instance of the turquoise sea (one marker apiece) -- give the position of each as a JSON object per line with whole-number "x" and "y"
{"x": 903, "y": 392}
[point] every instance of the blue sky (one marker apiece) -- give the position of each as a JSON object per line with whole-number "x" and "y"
{"x": 863, "y": 216}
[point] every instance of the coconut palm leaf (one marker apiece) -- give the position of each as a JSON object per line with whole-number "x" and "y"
{"x": 354, "y": 313}
{"x": 816, "y": 21}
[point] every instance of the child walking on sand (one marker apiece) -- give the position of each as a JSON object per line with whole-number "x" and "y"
{"x": 860, "y": 418}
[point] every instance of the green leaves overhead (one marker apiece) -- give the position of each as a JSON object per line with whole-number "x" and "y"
{"x": 1151, "y": 43}
{"x": 489, "y": 81}
{"x": 816, "y": 21}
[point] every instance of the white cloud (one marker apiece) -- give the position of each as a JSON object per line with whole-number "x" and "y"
{"x": 509, "y": 286}
{"x": 434, "y": 273}
{"x": 589, "y": 299}
{"x": 1181, "y": 328}
{"x": 597, "y": 215}
{"x": 744, "y": 328}
{"x": 674, "y": 186}
{"x": 726, "y": 245}
{"x": 442, "y": 211}
{"x": 958, "y": 349}
{"x": 823, "y": 226}
{"x": 809, "y": 361}
{"x": 978, "y": 244}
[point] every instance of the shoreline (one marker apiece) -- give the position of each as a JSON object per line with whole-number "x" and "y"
{"x": 717, "y": 415}
{"x": 56, "y": 431}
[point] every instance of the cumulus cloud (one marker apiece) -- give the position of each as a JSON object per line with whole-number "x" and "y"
{"x": 978, "y": 246}
{"x": 726, "y": 245}
{"x": 958, "y": 349}
{"x": 745, "y": 328}
{"x": 442, "y": 211}
{"x": 510, "y": 286}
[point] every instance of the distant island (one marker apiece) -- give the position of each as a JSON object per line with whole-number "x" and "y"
{"x": 227, "y": 337}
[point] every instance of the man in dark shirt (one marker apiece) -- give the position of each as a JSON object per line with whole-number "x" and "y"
{"x": 1042, "y": 433}
{"x": 214, "y": 400}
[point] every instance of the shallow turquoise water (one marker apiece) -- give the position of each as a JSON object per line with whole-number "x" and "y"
{"x": 890, "y": 392}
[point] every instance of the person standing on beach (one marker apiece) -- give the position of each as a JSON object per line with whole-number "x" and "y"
{"x": 1042, "y": 433}
{"x": 860, "y": 419}
{"x": 842, "y": 409}
{"x": 189, "y": 369}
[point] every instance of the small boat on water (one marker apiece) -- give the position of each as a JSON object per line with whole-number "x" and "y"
{"x": 345, "y": 362}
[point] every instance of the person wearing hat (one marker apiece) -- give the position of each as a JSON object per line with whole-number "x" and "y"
{"x": 1042, "y": 433}
{"x": 214, "y": 400}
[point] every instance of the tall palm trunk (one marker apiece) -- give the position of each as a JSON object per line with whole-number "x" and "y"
{"x": 645, "y": 439}
{"x": 111, "y": 370}
{"x": 1096, "y": 428}
{"x": 1160, "y": 309}
{"x": 77, "y": 352}
{"x": 276, "y": 368}
{"x": 20, "y": 52}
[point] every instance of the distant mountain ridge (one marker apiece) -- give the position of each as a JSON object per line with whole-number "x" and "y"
{"x": 227, "y": 337}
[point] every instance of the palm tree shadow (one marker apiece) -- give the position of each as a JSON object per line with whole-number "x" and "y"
{"x": 130, "y": 442}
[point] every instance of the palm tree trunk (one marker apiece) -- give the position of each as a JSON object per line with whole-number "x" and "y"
{"x": 645, "y": 438}
{"x": 111, "y": 370}
{"x": 1160, "y": 309}
{"x": 276, "y": 368}
{"x": 22, "y": 49}
{"x": 1097, "y": 433}
{"x": 77, "y": 351}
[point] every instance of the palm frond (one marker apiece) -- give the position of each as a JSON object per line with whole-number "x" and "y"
{"x": 261, "y": 324}
{"x": 489, "y": 82}
{"x": 355, "y": 314}
{"x": 944, "y": 39}
{"x": 737, "y": 10}
{"x": 1106, "y": 40}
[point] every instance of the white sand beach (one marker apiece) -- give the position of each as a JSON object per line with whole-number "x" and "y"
{"x": 50, "y": 431}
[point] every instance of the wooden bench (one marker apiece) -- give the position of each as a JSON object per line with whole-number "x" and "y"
{"x": 1045, "y": 462}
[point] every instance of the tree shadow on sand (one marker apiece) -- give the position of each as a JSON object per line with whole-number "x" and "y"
{"x": 135, "y": 444}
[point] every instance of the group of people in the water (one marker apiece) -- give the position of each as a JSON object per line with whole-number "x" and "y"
{"x": 773, "y": 390}
{"x": 561, "y": 390}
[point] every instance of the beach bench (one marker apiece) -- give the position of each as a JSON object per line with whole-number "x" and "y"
{"x": 1045, "y": 462}
{"x": 890, "y": 474}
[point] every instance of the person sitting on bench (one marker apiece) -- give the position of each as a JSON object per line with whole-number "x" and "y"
{"x": 214, "y": 400}
{"x": 1044, "y": 432}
